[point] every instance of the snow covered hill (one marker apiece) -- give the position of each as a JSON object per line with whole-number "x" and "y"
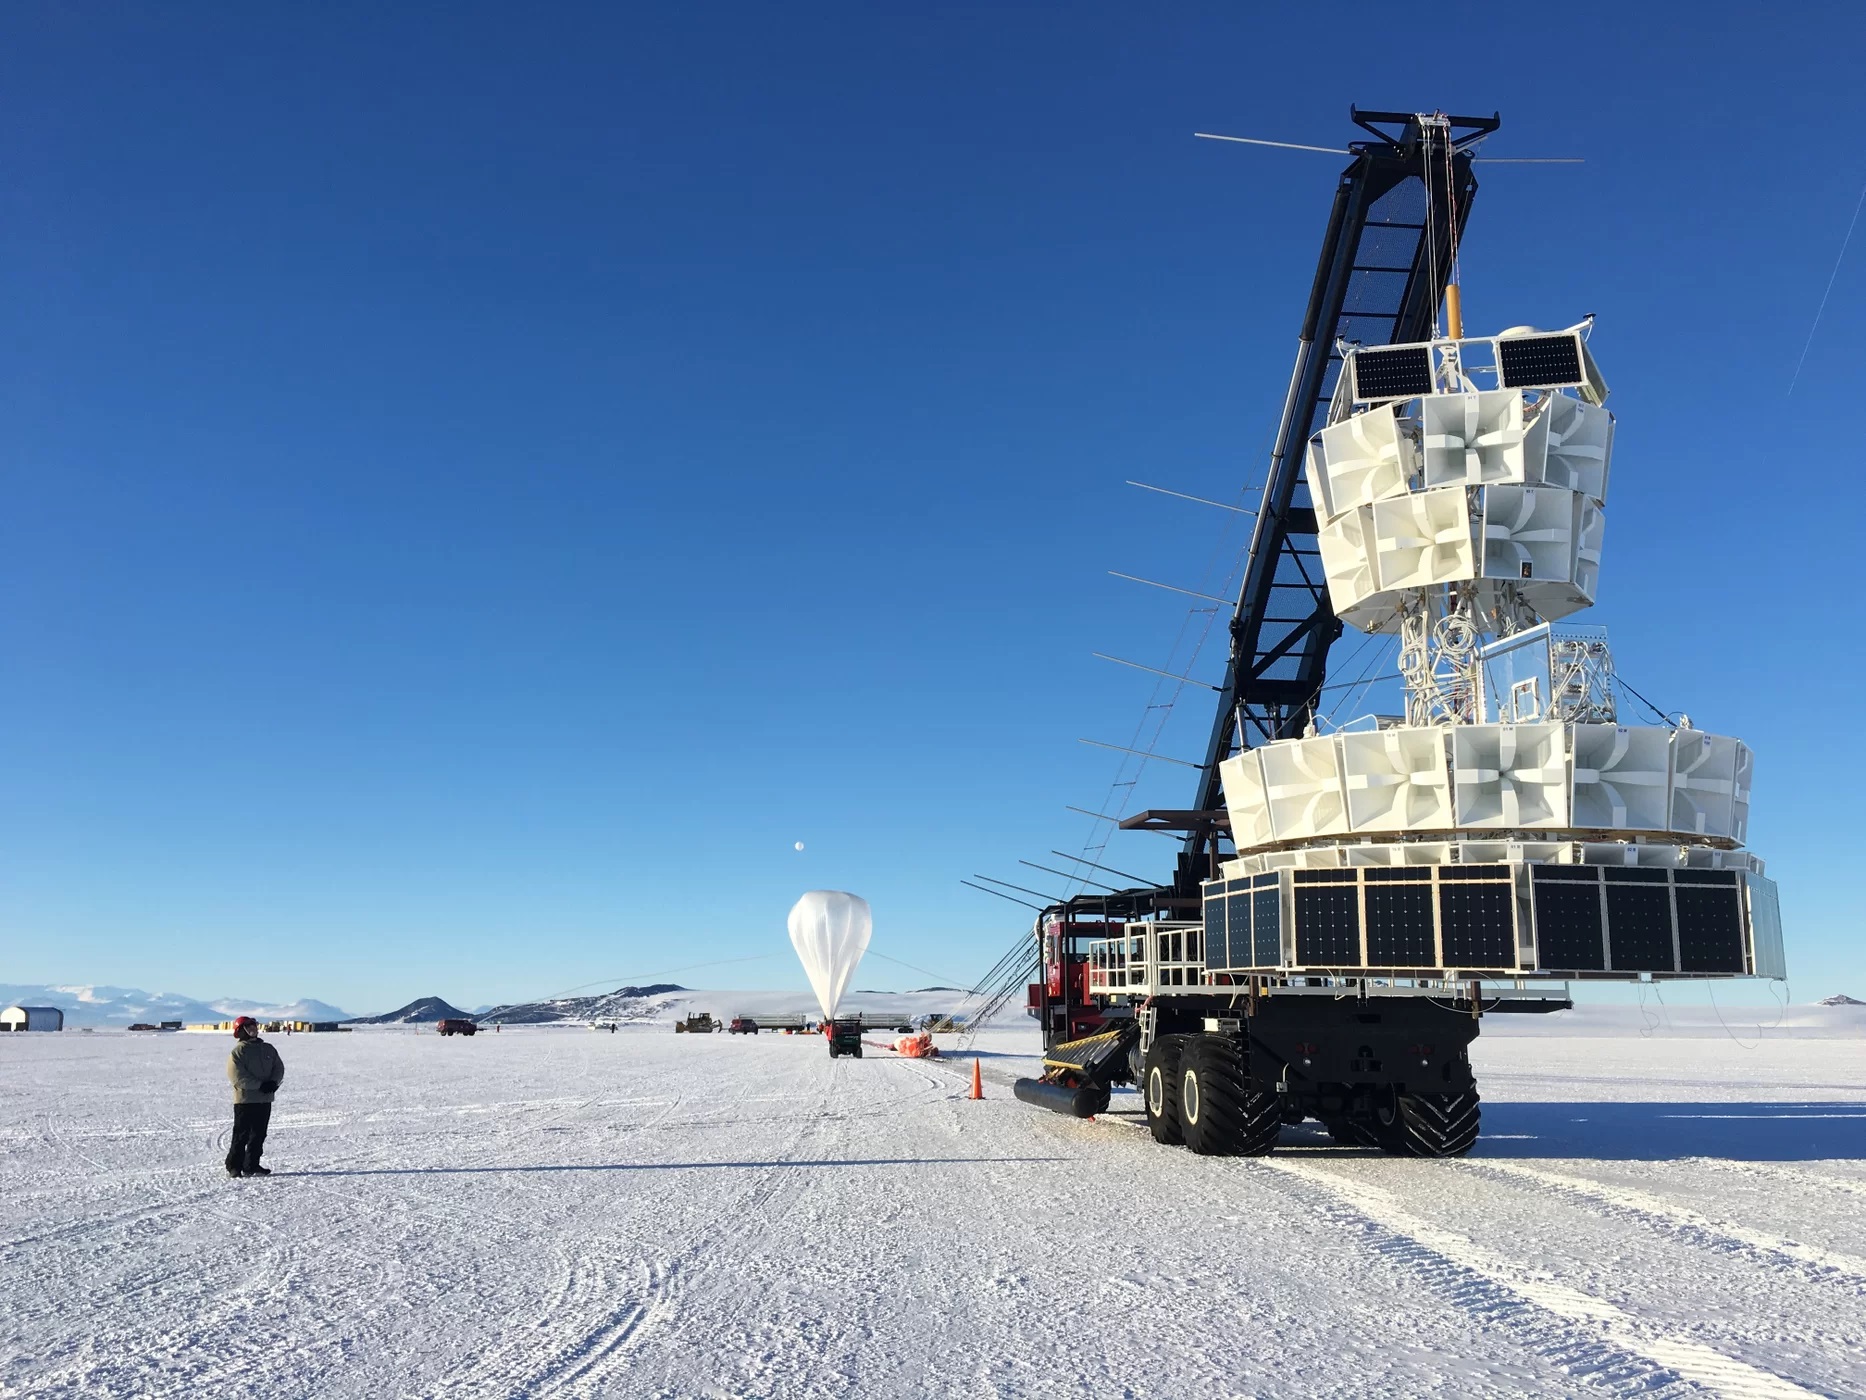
{"x": 649, "y": 1003}
{"x": 664, "y": 1002}
{"x": 304, "y": 1009}
{"x": 122, "y": 1006}
{"x": 421, "y": 1011}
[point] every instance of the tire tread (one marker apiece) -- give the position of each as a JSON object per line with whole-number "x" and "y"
{"x": 1439, "y": 1125}
{"x": 1165, "y": 1056}
{"x": 1235, "y": 1120}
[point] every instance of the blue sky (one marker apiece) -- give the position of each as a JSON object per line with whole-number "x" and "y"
{"x": 476, "y": 490}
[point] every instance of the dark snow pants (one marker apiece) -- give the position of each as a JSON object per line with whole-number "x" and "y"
{"x": 249, "y": 1135}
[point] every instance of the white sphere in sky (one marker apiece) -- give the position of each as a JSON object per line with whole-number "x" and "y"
{"x": 800, "y": 845}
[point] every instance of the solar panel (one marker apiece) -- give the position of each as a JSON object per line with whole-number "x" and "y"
{"x": 1710, "y": 929}
{"x": 1399, "y": 926}
{"x": 1540, "y": 361}
{"x": 1404, "y": 372}
{"x": 1568, "y": 922}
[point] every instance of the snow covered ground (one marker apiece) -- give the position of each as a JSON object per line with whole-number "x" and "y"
{"x": 556, "y": 1212}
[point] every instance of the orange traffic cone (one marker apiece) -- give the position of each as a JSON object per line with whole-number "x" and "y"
{"x": 978, "y": 1083}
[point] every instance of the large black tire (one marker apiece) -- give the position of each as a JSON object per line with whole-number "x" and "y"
{"x": 1425, "y": 1125}
{"x": 833, "y": 1052}
{"x": 1219, "y": 1112}
{"x": 857, "y": 1052}
{"x": 1438, "y": 1125}
{"x": 1159, "y": 1088}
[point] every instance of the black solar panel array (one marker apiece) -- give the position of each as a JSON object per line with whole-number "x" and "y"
{"x": 1393, "y": 374}
{"x": 1540, "y": 361}
{"x": 1601, "y": 919}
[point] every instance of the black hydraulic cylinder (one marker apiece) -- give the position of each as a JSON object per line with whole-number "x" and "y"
{"x": 1077, "y": 1101}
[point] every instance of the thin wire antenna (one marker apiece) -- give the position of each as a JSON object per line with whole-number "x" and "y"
{"x": 925, "y": 971}
{"x": 1626, "y": 685}
{"x": 1051, "y": 870}
{"x": 1104, "y": 817}
{"x": 981, "y": 889}
{"x": 1366, "y": 677}
{"x": 1053, "y": 899}
{"x": 1200, "y": 499}
{"x": 1171, "y": 588}
{"x": 1170, "y": 675}
{"x": 1280, "y": 145}
{"x": 1344, "y": 151}
{"x": 1125, "y": 875}
{"x": 1140, "y": 752}
{"x": 1861, "y": 201}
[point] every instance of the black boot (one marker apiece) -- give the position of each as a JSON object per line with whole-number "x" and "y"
{"x": 259, "y": 1171}
{"x": 234, "y": 1171}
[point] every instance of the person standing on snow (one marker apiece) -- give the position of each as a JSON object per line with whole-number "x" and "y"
{"x": 255, "y": 1070}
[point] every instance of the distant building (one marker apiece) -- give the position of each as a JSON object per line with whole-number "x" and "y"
{"x": 32, "y": 1018}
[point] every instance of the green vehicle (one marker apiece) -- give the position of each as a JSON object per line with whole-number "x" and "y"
{"x": 845, "y": 1036}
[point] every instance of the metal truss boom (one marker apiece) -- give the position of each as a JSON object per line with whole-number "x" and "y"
{"x": 1382, "y": 273}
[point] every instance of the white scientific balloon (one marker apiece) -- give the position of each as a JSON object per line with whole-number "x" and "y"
{"x": 800, "y": 845}
{"x": 830, "y": 929}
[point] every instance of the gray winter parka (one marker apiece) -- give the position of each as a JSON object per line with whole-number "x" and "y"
{"x": 251, "y": 1064}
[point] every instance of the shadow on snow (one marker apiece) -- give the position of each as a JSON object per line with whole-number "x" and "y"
{"x": 1653, "y": 1132}
{"x": 666, "y": 1166}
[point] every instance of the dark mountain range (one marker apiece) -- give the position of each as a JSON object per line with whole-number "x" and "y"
{"x": 418, "y": 1012}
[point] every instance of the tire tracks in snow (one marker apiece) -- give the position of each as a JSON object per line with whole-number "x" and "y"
{"x": 1591, "y": 1340}
{"x": 582, "y": 1282}
{"x": 1681, "y": 1223}
{"x": 235, "y": 1349}
{"x": 225, "y": 1346}
{"x": 1769, "y": 1171}
{"x": 605, "y": 1334}
{"x": 608, "y": 1335}
{"x": 535, "y": 1363}
{"x": 76, "y": 1229}
{"x": 780, "y": 1351}
{"x": 583, "y": 1369}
